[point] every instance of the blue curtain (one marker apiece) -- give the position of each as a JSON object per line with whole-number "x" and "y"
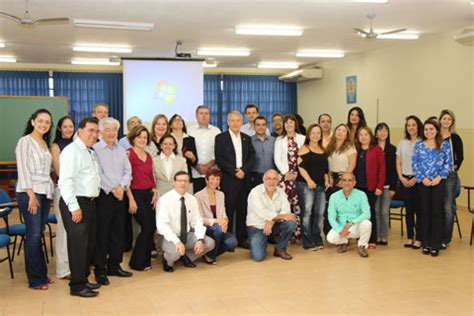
{"x": 213, "y": 98}
{"x": 85, "y": 89}
{"x": 24, "y": 83}
{"x": 270, "y": 94}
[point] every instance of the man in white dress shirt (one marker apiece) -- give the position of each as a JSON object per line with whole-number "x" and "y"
{"x": 251, "y": 113}
{"x": 79, "y": 183}
{"x": 269, "y": 214}
{"x": 204, "y": 135}
{"x": 179, "y": 221}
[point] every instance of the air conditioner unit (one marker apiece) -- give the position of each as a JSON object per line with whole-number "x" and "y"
{"x": 465, "y": 37}
{"x": 302, "y": 75}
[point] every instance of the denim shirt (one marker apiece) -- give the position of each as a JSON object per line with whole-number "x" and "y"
{"x": 429, "y": 163}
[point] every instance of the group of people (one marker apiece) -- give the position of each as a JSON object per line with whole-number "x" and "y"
{"x": 192, "y": 192}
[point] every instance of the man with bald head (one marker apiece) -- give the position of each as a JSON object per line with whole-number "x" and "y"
{"x": 235, "y": 157}
{"x": 349, "y": 216}
{"x": 269, "y": 214}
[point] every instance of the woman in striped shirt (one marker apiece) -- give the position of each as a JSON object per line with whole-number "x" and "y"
{"x": 34, "y": 191}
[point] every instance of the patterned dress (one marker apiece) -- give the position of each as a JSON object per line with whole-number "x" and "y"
{"x": 289, "y": 186}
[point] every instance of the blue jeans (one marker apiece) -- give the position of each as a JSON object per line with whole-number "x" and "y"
{"x": 223, "y": 241}
{"x": 258, "y": 241}
{"x": 450, "y": 205}
{"x": 312, "y": 204}
{"x": 35, "y": 261}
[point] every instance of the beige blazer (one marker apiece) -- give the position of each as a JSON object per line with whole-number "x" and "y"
{"x": 205, "y": 207}
{"x": 163, "y": 184}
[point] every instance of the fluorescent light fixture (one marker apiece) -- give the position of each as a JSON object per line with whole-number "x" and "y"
{"x": 269, "y": 30}
{"x": 114, "y": 25}
{"x": 472, "y": 2}
{"x": 7, "y": 59}
{"x": 400, "y": 36}
{"x": 278, "y": 65}
{"x": 320, "y": 53}
{"x": 369, "y": 1}
{"x": 206, "y": 65}
{"x": 223, "y": 52}
{"x": 102, "y": 49}
{"x": 103, "y": 62}
{"x": 2, "y": 44}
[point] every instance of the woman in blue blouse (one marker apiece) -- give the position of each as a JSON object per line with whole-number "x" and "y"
{"x": 432, "y": 161}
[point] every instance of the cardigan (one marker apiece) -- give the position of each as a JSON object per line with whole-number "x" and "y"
{"x": 205, "y": 207}
{"x": 375, "y": 168}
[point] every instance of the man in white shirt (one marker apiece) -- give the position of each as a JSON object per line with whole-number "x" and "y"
{"x": 251, "y": 113}
{"x": 269, "y": 214}
{"x": 179, "y": 221}
{"x": 204, "y": 135}
{"x": 79, "y": 183}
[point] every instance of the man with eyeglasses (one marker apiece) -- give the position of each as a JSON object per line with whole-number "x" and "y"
{"x": 349, "y": 217}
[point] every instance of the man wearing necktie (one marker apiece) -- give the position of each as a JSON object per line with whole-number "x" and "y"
{"x": 179, "y": 221}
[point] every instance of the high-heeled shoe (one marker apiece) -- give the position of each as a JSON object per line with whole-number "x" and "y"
{"x": 426, "y": 250}
{"x": 434, "y": 253}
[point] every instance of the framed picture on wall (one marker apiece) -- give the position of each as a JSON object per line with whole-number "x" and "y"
{"x": 351, "y": 89}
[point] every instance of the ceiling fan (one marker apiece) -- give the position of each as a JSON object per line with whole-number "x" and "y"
{"x": 371, "y": 34}
{"x": 28, "y": 21}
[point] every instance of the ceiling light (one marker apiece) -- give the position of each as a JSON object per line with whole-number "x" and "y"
{"x": 207, "y": 65}
{"x": 7, "y": 59}
{"x": 472, "y": 2}
{"x": 102, "y": 49}
{"x": 114, "y": 25}
{"x": 370, "y": 1}
{"x": 278, "y": 65}
{"x": 269, "y": 30}
{"x": 320, "y": 53}
{"x": 2, "y": 44}
{"x": 223, "y": 52}
{"x": 103, "y": 62}
{"x": 401, "y": 36}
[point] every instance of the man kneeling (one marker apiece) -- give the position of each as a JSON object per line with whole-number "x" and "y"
{"x": 179, "y": 221}
{"x": 269, "y": 213}
{"x": 349, "y": 216}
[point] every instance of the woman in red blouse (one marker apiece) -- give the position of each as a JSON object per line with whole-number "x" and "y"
{"x": 370, "y": 173}
{"x": 142, "y": 197}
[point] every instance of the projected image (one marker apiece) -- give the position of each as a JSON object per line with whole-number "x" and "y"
{"x": 165, "y": 92}
{"x": 166, "y": 87}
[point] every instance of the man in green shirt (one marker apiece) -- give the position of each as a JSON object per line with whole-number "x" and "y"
{"x": 349, "y": 216}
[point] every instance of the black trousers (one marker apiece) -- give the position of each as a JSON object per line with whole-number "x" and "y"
{"x": 326, "y": 225}
{"x": 236, "y": 206}
{"x": 256, "y": 178}
{"x": 80, "y": 240}
{"x": 128, "y": 230}
{"x": 108, "y": 252}
{"x": 431, "y": 205}
{"x": 198, "y": 184}
{"x": 141, "y": 255}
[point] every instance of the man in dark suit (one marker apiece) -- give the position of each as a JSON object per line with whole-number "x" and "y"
{"x": 235, "y": 156}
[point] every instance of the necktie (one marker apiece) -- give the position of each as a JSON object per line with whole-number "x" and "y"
{"x": 184, "y": 222}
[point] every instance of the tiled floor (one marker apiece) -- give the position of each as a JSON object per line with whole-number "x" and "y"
{"x": 392, "y": 281}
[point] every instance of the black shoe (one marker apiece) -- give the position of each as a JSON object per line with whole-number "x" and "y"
{"x": 101, "y": 280}
{"x": 434, "y": 253}
{"x": 120, "y": 273}
{"x": 187, "y": 262}
{"x": 85, "y": 292}
{"x": 243, "y": 244}
{"x": 426, "y": 250}
{"x": 166, "y": 267}
{"x": 93, "y": 286}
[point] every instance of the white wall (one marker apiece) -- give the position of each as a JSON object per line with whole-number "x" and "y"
{"x": 412, "y": 77}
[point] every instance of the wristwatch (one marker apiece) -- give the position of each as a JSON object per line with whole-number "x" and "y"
{"x": 201, "y": 240}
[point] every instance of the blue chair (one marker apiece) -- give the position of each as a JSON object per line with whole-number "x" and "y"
{"x": 5, "y": 243}
{"x": 397, "y": 216}
{"x": 17, "y": 230}
{"x": 51, "y": 220}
